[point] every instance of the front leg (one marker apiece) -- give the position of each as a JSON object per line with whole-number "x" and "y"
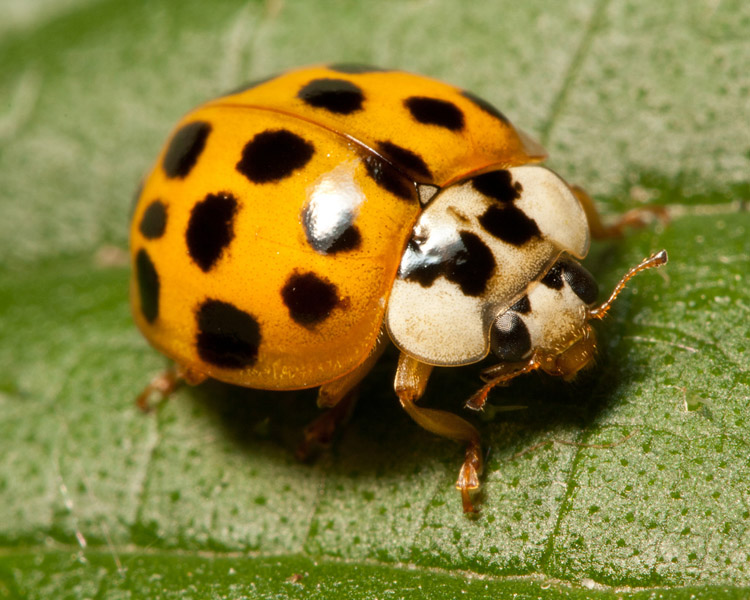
{"x": 411, "y": 381}
{"x": 499, "y": 374}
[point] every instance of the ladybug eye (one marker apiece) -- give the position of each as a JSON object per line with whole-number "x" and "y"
{"x": 580, "y": 281}
{"x": 510, "y": 340}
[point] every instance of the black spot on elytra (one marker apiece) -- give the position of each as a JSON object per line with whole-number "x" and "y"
{"x": 309, "y": 298}
{"x": 227, "y": 336}
{"x": 498, "y": 185}
{"x": 350, "y": 239}
{"x": 355, "y": 69}
{"x": 485, "y": 106}
{"x": 469, "y": 264}
{"x": 273, "y": 155}
{"x": 405, "y": 159}
{"x": 580, "y": 281}
{"x": 334, "y": 95}
{"x": 335, "y": 237}
{"x": 509, "y": 224}
{"x": 210, "y": 228}
{"x": 148, "y": 285}
{"x": 154, "y": 220}
{"x": 553, "y": 278}
{"x": 510, "y": 340}
{"x": 387, "y": 177}
{"x": 185, "y": 148}
{"x": 431, "y": 111}
{"x": 250, "y": 85}
{"x": 522, "y": 305}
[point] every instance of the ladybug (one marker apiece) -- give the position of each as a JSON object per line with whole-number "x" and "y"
{"x": 293, "y": 228}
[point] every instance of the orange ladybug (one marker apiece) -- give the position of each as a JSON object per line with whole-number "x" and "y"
{"x": 291, "y": 229}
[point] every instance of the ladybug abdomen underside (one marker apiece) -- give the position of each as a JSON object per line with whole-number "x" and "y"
{"x": 264, "y": 248}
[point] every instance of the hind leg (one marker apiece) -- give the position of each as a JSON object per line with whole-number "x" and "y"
{"x": 165, "y": 383}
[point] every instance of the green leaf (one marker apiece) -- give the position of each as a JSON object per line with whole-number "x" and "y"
{"x": 630, "y": 482}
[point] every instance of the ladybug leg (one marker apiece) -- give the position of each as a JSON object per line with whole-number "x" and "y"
{"x": 320, "y": 432}
{"x": 339, "y": 397}
{"x": 636, "y": 218}
{"x": 499, "y": 374}
{"x": 165, "y": 383}
{"x": 410, "y": 384}
{"x": 331, "y": 393}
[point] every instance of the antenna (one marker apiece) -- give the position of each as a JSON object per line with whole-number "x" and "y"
{"x": 652, "y": 262}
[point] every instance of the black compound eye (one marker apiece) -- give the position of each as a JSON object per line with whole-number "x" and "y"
{"x": 580, "y": 281}
{"x": 510, "y": 340}
{"x": 553, "y": 278}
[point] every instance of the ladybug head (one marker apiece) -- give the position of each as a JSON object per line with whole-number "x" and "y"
{"x": 549, "y": 328}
